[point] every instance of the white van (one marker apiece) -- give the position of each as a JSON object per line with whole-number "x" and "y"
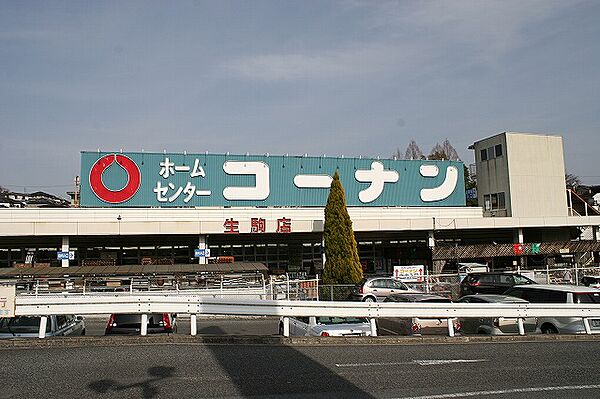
{"x": 542, "y": 293}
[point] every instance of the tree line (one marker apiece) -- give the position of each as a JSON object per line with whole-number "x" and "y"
{"x": 439, "y": 151}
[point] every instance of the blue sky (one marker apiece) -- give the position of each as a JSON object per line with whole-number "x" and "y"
{"x": 317, "y": 77}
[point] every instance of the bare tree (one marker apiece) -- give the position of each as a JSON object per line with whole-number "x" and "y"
{"x": 572, "y": 181}
{"x": 444, "y": 151}
{"x": 413, "y": 151}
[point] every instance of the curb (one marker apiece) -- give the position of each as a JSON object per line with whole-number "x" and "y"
{"x": 111, "y": 341}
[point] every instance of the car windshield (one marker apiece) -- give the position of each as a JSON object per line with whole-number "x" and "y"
{"x": 21, "y": 325}
{"x": 587, "y": 297}
{"x": 341, "y": 320}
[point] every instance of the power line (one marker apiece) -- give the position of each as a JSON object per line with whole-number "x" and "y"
{"x": 33, "y": 186}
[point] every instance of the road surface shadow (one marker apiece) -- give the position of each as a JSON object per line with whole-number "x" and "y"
{"x": 148, "y": 387}
{"x": 280, "y": 371}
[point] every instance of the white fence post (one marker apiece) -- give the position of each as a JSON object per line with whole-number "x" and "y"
{"x": 373, "y": 323}
{"x": 586, "y": 325}
{"x": 43, "y": 323}
{"x": 286, "y": 326}
{"x": 450, "y": 327}
{"x": 144, "y": 324}
{"x": 521, "y": 326}
{"x": 193, "y": 325}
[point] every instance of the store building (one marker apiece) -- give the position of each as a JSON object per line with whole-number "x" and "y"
{"x": 168, "y": 208}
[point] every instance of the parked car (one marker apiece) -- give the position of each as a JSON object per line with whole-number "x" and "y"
{"x": 542, "y": 293}
{"x": 591, "y": 281}
{"x": 491, "y": 282}
{"x": 494, "y": 325}
{"x": 375, "y": 289}
{"x": 418, "y": 325}
{"x": 130, "y": 324}
{"x": 328, "y": 326}
{"x": 29, "y": 326}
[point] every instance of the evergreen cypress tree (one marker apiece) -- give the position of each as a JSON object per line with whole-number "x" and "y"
{"x": 342, "y": 265}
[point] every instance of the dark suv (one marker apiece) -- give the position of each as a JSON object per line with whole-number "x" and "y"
{"x": 491, "y": 283}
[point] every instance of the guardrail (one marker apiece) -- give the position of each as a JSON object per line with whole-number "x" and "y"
{"x": 146, "y": 303}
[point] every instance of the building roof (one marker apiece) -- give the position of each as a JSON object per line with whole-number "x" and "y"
{"x": 472, "y": 146}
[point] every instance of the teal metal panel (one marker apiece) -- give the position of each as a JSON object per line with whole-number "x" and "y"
{"x": 160, "y": 190}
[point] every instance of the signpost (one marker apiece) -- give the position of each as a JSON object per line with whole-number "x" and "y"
{"x": 201, "y": 253}
{"x": 65, "y": 255}
{"x": 409, "y": 274}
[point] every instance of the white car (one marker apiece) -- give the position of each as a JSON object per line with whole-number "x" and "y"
{"x": 328, "y": 326}
{"x": 29, "y": 326}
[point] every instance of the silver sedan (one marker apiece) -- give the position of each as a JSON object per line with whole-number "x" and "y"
{"x": 328, "y": 326}
{"x": 494, "y": 325}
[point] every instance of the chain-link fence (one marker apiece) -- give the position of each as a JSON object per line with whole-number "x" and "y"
{"x": 336, "y": 292}
{"x": 561, "y": 275}
{"x": 446, "y": 285}
{"x": 282, "y": 287}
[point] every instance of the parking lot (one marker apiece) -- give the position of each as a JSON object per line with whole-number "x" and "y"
{"x": 261, "y": 326}
{"x": 251, "y": 326}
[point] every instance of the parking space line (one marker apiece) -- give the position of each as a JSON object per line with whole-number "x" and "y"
{"x": 505, "y": 392}
{"x": 428, "y": 362}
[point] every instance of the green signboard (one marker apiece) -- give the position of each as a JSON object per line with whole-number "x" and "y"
{"x": 140, "y": 179}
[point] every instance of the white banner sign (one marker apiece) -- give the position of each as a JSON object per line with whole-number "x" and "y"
{"x": 410, "y": 274}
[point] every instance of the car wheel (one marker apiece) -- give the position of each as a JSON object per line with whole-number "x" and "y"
{"x": 549, "y": 329}
{"x": 369, "y": 299}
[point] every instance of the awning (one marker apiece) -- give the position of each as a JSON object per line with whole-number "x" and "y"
{"x": 133, "y": 270}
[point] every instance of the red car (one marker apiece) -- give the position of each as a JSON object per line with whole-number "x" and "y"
{"x": 130, "y": 324}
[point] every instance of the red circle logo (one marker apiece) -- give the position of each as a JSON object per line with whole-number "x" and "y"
{"x": 134, "y": 179}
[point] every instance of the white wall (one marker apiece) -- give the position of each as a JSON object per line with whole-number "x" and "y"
{"x": 537, "y": 175}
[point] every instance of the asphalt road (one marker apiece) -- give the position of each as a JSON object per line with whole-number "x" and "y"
{"x": 561, "y": 369}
